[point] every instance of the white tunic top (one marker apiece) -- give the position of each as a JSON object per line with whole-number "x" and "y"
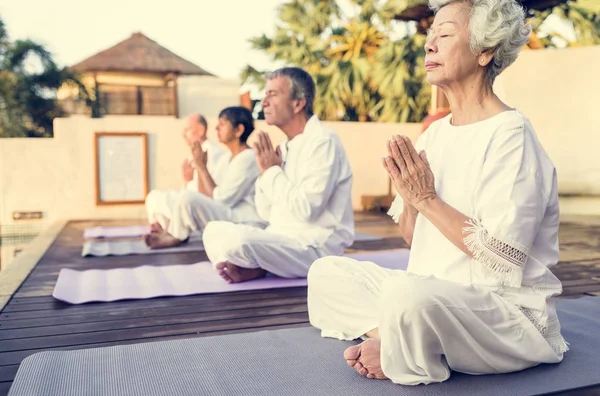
{"x": 214, "y": 152}
{"x": 235, "y": 183}
{"x": 309, "y": 197}
{"x": 497, "y": 173}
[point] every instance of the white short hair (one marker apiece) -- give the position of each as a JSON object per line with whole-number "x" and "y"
{"x": 496, "y": 25}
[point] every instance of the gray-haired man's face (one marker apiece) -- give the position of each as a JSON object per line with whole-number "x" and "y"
{"x": 277, "y": 104}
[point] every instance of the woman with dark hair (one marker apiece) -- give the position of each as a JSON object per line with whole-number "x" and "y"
{"x": 226, "y": 194}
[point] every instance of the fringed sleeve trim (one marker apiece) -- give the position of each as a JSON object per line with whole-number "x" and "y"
{"x": 504, "y": 259}
{"x": 396, "y": 208}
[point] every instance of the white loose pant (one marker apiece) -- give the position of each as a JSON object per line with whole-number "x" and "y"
{"x": 252, "y": 247}
{"x": 184, "y": 212}
{"x": 427, "y": 326}
{"x": 160, "y": 204}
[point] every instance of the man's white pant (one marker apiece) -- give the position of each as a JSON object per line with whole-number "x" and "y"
{"x": 160, "y": 204}
{"x": 427, "y": 325}
{"x": 183, "y": 212}
{"x": 252, "y": 247}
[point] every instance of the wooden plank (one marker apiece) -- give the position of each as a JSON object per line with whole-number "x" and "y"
{"x": 7, "y": 373}
{"x": 580, "y": 282}
{"x": 382, "y": 244}
{"x": 192, "y": 316}
{"x": 144, "y": 313}
{"x": 4, "y": 388}
{"x": 66, "y": 309}
{"x": 190, "y": 327}
{"x": 580, "y": 290}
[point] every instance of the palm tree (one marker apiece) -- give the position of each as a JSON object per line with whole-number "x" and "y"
{"x": 399, "y": 76}
{"x": 585, "y": 18}
{"x": 350, "y": 57}
{"x": 341, "y": 54}
{"x": 27, "y": 98}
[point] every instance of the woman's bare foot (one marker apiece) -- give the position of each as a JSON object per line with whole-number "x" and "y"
{"x": 234, "y": 274}
{"x": 365, "y": 359}
{"x": 373, "y": 333}
{"x": 156, "y": 240}
{"x": 156, "y": 227}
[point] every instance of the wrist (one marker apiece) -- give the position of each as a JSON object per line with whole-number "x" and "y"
{"x": 428, "y": 205}
{"x": 410, "y": 209}
{"x": 200, "y": 167}
{"x": 262, "y": 171}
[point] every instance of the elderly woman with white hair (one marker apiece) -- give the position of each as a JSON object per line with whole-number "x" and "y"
{"x": 477, "y": 201}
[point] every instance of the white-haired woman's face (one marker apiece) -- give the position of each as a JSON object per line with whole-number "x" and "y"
{"x": 448, "y": 57}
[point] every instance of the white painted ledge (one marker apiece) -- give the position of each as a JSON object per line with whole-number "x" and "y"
{"x": 22, "y": 265}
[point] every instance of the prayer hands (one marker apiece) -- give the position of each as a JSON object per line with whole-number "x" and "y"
{"x": 187, "y": 170}
{"x": 266, "y": 156}
{"x": 410, "y": 172}
{"x": 200, "y": 156}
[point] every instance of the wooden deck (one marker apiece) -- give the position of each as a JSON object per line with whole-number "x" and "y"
{"x": 33, "y": 321}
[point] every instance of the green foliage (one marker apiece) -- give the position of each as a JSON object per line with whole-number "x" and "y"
{"x": 27, "y": 103}
{"x": 360, "y": 73}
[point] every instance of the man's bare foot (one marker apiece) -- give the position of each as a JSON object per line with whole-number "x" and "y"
{"x": 365, "y": 359}
{"x": 156, "y": 227}
{"x": 156, "y": 240}
{"x": 234, "y": 274}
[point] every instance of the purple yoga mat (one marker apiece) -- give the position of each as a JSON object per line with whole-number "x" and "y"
{"x": 78, "y": 287}
{"x": 116, "y": 232}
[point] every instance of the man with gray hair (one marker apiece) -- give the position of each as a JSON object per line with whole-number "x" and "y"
{"x": 303, "y": 191}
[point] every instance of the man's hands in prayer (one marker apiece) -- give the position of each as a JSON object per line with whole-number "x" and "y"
{"x": 266, "y": 156}
{"x": 409, "y": 171}
{"x": 200, "y": 157}
{"x": 188, "y": 171}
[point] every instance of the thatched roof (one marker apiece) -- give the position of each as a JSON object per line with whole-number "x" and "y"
{"x": 139, "y": 54}
{"x": 416, "y": 10}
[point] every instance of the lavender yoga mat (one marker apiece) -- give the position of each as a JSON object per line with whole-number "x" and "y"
{"x": 78, "y": 287}
{"x": 116, "y": 232}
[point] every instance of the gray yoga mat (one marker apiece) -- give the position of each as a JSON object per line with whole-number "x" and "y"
{"x": 108, "y": 247}
{"x": 139, "y": 230}
{"x": 293, "y": 362}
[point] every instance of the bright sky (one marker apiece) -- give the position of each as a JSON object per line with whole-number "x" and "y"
{"x": 213, "y": 34}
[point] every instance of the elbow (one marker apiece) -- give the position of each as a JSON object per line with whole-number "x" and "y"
{"x": 305, "y": 213}
{"x": 407, "y": 239}
{"x": 309, "y": 214}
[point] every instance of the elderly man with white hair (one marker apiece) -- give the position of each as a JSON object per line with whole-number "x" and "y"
{"x": 477, "y": 200}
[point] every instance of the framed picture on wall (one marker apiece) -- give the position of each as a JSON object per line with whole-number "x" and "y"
{"x": 121, "y": 166}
